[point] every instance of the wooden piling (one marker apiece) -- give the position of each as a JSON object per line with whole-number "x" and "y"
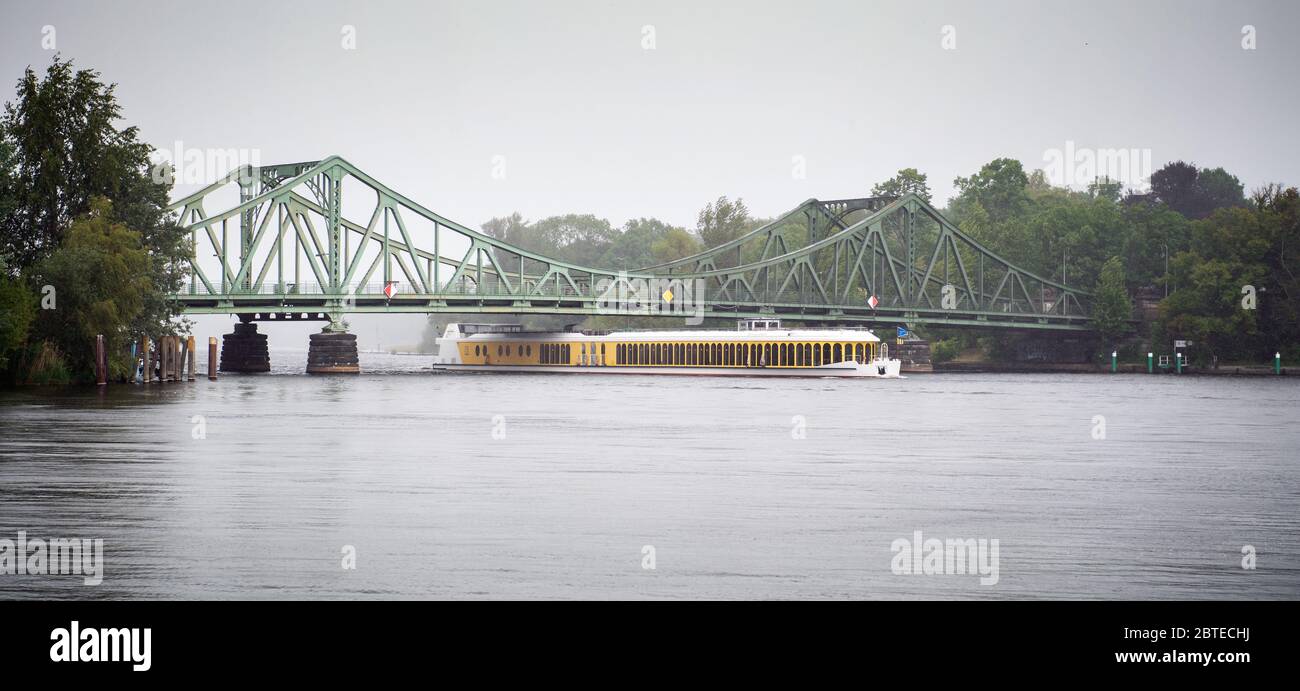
{"x": 212, "y": 358}
{"x": 147, "y": 375}
{"x": 189, "y": 347}
{"x": 164, "y": 359}
{"x": 101, "y": 361}
{"x": 178, "y": 365}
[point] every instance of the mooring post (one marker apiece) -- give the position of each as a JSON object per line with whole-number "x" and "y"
{"x": 180, "y": 358}
{"x": 1150, "y": 366}
{"x": 1277, "y": 362}
{"x": 212, "y": 358}
{"x": 1114, "y": 362}
{"x": 148, "y": 360}
{"x": 101, "y": 361}
{"x": 165, "y": 355}
{"x": 189, "y": 345}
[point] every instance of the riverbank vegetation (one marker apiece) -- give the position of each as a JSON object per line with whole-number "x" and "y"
{"x": 86, "y": 244}
{"x": 1228, "y": 262}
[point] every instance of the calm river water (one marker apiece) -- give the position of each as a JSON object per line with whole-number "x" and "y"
{"x": 550, "y": 486}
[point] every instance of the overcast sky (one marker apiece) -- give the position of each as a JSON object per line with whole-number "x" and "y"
{"x": 629, "y": 109}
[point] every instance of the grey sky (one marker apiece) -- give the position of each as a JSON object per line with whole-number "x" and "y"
{"x": 588, "y": 120}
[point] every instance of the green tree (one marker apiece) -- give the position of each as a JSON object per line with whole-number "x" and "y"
{"x": 61, "y": 149}
{"x": 908, "y": 181}
{"x": 633, "y": 248}
{"x": 722, "y": 221}
{"x": 578, "y": 238}
{"x": 100, "y": 274}
{"x": 676, "y": 243}
{"x": 1195, "y": 193}
{"x": 1111, "y": 307}
{"x": 998, "y": 188}
{"x": 17, "y": 310}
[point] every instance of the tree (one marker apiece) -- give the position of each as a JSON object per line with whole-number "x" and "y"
{"x": 1195, "y": 193}
{"x": 676, "y": 243}
{"x": 578, "y": 238}
{"x": 60, "y": 148}
{"x": 1175, "y": 186}
{"x": 908, "y": 181}
{"x": 1106, "y": 188}
{"x": 722, "y": 221}
{"x": 635, "y": 245}
{"x": 1111, "y": 309}
{"x": 100, "y": 274}
{"x": 998, "y": 188}
{"x": 17, "y": 310}
{"x": 512, "y": 229}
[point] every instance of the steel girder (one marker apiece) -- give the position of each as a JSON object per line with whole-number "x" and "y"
{"x": 821, "y": 261}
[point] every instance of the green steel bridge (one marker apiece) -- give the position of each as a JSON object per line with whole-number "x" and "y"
{"x": 288, "y": 243}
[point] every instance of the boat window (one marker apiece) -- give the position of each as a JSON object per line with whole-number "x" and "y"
{"x": 817, "y": 355}
{"x": 839, "y": 353}
{"x": 857, "y": 352}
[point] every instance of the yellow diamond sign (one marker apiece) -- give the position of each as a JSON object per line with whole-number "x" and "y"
{"x": 668, "y": 295}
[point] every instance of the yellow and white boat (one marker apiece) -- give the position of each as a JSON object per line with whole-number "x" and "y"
{"x": 758, "y": 347}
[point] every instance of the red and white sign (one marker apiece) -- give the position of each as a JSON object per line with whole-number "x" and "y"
{"x": 873, "y": 301}
{"x": 390, "y": 288}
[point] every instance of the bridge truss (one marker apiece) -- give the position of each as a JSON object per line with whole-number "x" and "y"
{"x": 324, "y": 239}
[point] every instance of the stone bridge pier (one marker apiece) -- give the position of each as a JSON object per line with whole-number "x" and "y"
{"x": 333, "y": 350}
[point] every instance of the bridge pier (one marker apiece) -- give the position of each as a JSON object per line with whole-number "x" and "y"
{"x": 245, "y": 350}
{"x": 333, "y": 351}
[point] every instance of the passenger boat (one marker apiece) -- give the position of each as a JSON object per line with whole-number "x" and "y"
{"x": 758, "y": 347}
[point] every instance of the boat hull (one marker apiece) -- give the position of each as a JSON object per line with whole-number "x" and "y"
{"x": 888, "y": 370}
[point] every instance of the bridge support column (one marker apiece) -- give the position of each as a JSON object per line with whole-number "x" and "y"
{"x": 245, "y": 350}
{"x": 333, "y": 351}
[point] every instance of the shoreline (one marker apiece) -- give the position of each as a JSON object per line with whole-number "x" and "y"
{"x": 1088, "y": 368}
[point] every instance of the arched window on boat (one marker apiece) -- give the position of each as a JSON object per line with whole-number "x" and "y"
{"x": 839, "y": 353}
{"x": 817, "y": 355}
